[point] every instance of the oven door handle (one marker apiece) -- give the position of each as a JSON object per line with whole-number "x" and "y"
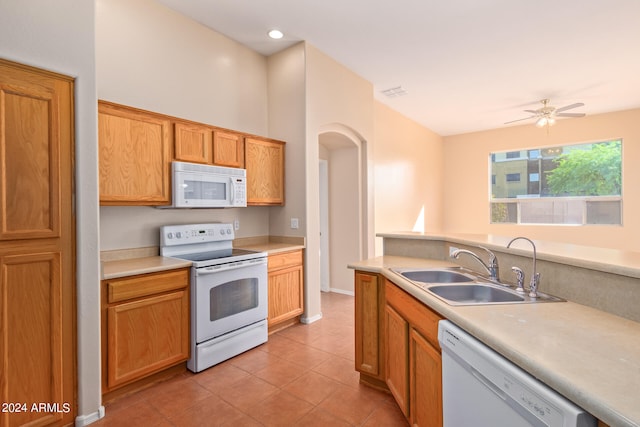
{"x": 231, "y": 266}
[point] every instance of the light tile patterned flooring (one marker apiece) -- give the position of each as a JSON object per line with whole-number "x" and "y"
{"x": 303, "y": 376}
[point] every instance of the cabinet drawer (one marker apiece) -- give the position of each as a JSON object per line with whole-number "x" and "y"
{"x": 422, "y": 318}
{"x": 283, "y": 260}
{"x": 144, "y": 285}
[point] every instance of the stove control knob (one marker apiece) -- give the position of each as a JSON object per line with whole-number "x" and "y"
{"x": 169, "y": 235}
{"x": 228, "y": 231}
{"x": 178, "y": 235}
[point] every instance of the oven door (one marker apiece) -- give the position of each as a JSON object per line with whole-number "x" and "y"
{"x": 228, "y": 297}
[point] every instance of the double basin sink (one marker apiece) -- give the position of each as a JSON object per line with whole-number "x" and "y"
{"x": 459, "y": 286}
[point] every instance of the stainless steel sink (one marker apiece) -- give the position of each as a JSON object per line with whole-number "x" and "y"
{"x": 477, "y": 293}
{"x": 459, "y": 286}
{"x": 437, "y": 276}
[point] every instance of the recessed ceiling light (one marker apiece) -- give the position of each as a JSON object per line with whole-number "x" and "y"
{"x": 275, "y": 34}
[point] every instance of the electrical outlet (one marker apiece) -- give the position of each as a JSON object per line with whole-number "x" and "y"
{"x": 452, "y": 249}
{"x": 295, "y": 223}
{"x": 236, "y": 224}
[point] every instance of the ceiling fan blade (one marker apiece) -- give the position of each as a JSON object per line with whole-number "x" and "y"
{"x": 569, "y": 107}
{"x": 519, "y": 120}
{"x": 531, "y": 111}
{"x": 570, "y": 114}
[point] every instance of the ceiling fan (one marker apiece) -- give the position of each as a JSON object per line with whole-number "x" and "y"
{"x": 546, "y": 116}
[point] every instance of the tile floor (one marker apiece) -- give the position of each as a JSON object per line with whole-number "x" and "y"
{"x": 303, "y": 376}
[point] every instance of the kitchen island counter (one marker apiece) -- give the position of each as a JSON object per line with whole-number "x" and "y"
{"x": 589, "y": 356}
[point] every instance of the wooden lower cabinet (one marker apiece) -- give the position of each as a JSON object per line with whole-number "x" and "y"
{"x": 425, "y": 375}
{"x": 286, "y": 289}
{"x": 145, "y": 326}
{"x": 369, "y": 328}
{"x": 413, "y": 359}
{"x": 397, "y": 357}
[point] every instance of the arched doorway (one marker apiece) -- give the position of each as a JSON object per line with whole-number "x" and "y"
{"x": 343, "y": 206}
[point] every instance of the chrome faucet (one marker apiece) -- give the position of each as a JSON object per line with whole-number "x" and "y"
{"x": 491, "y": 268}
{"x": 535, "y": 277}
{"x": 519, "y": 279}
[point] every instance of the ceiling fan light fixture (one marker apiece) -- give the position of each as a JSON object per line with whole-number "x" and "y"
{"x": 545, "y": 121}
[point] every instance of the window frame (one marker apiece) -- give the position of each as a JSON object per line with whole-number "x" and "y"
{"x": 533, "y": 198}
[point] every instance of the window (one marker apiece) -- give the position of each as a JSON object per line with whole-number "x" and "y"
{"x": 513, "y": 177}
{"x": 513, "y": 155}
{"x": 572, "y": 184}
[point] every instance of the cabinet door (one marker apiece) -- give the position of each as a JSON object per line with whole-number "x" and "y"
{"x": 397, "y": 357}
{"x": 368, "y": 332}
{"x": 37, "y": 256}
{"x": 135, "y": 159}
{"x": 425, "y": 375}
{"x": 264, "y": 161}
{"x": 146, "y": 335}
{"x": 228, "y": 149}
{"x": 285, "y": 294}
{"x": 192, "y": 143}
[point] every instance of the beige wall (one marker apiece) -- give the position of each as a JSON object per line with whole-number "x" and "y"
{"x": 151, "y": 57}
{"x": 409, "y": 167}
{"x": 466, "y": 178}
{"x": 337, "y": 100}
{"x": 59, "y": 36}
{"x": 287, "y": 113}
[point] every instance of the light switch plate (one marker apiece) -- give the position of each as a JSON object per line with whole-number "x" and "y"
{"x": 294, "y": 223}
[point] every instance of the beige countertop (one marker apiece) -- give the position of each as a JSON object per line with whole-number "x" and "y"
{"x": 130, "y": 262}
{"x": 133, "y": 266}
{"x": 270, "y": 244}
{"x": 589, "y": 356}
{"x": 272, "y": 248}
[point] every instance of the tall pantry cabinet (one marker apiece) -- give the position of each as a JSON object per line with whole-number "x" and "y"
{"x": 37, "y": 252}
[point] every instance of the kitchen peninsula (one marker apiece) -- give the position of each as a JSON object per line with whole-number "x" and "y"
{"x": 587, "y": 349}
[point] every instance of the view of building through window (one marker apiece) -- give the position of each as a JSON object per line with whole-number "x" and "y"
{"x": 572, "y": 184}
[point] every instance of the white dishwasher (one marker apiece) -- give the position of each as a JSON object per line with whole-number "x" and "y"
{"x": 481, "y": 388}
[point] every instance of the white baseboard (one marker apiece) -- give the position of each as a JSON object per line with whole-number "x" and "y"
{"x": 85, "y": 420}
{"x": 308, "y": 320}
{"x": 342, "y": 291}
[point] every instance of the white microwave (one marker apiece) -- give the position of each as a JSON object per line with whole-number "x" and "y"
{"x": 205, "y": 186}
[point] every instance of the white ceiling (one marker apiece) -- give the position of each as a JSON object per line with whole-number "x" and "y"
{"x": 467, "y": 65}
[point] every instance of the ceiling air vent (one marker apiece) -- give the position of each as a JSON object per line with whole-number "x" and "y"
{"x": 394, "y": 92}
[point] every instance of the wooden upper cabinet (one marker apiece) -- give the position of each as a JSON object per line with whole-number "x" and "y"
{"x": 228, "y": 149}
{"x": 192, "y": 142}
{"x": 135, "y": 156}
{"x": 264, "y": 161}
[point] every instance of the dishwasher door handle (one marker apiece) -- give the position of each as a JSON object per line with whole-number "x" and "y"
{"x": 488, "y": 384}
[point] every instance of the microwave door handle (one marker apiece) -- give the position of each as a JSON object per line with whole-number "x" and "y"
{"x": 233, "y": 191}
